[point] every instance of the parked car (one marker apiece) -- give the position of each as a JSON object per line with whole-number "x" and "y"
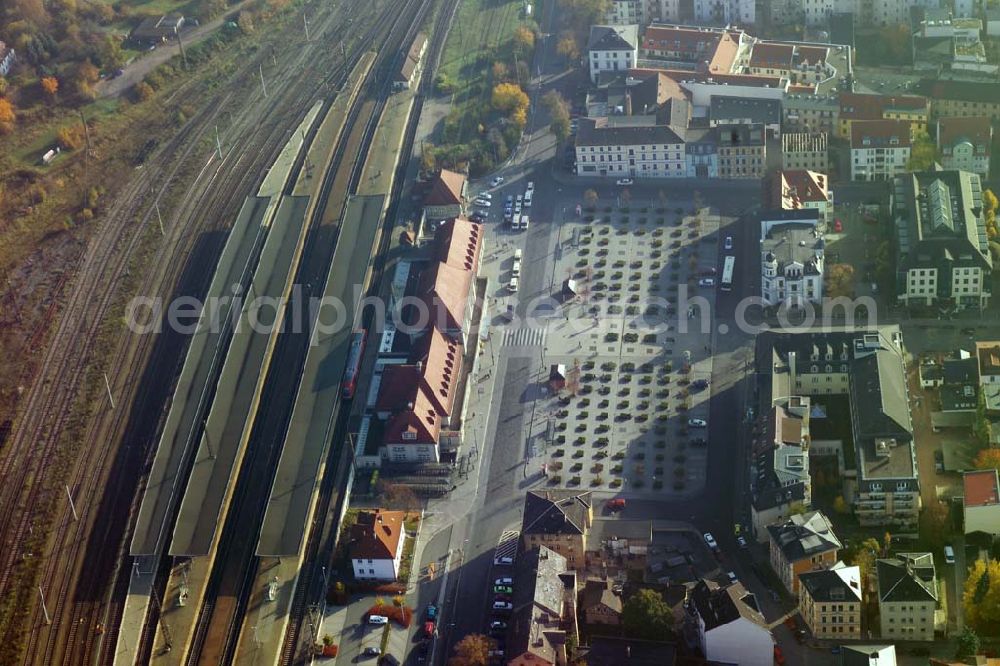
{"x": 697, "y": 423}
{"x": 485, "y": 203}
{"x": 498, "y": 624}
{"x": 503, "y": 589}
{"x": 505, "y": 580}
{"x": 432, "y": 612}
{"x": 378, "y": 619}
{"x": 729, "y": 243}
{"x": 428, "y": 629}
{"x": 838, "y": 226}
{"x": 497, "y": 180}
{"x": 710, "y": 540}
{"x": 502, "y": 605}
{"x": 624, "y": 181}
{"x": 616, "y": 504}
{"x": 372, "y": 651}
{"x": 485, "y": 195}
{"x": 531, "y": 186}
{"x": 731, "y": 575}
{"x": 706, "y": 282}
{"x": 741, "y": 542}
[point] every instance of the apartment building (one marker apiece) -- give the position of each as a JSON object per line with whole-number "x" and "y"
{"x": 952, "y": 98}
{"x": 792, "y": 262}
{"x": 868, "y": 367}
{"x": 742, "y": 151}
{"x": 830, "y": 602}
{"x": 880, "y": 149}
{"x": 810, "y": 112}
{"x": 797, "y": 62}
{"x": 559, "y": 520}
{"x": 964, "y": 144}
{"x": 800, "y": 189}
{"x": 808, "y": 151}
{"x": 729, "y": 625}
{"x": 626, "y": 12}
{"x": 907, "y": 596}
{"x": 725, "y": 12}
{"x": 856, "y": 107}
{"x": 942, "y": 252}
{"x": 632, "y": 146}
{"x": 804, "y": 542}
{"x": 376, "y": 544}
{"x": 612, "y": 48}
{"x": 782, "y": 465}
{"x": 543, "y": 622}
{"x": 728, "y": 110}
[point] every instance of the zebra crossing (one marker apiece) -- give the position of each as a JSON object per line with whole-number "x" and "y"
{"x": 524, "y": 337}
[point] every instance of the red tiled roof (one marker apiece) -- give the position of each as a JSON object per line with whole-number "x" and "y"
{"x": 447, "y": 189}
{"x": 419, "y": 425}
{"x": 376, "y": 535}
{"x": 445, "y": 294}
{"x": 774, "y": 56}
{"x": 791, "y": 188}
{"x": 976, "y": 130}
{"x": 981, "y": 488}
{"x": 858, "y": 106}
{"x": 458, "y": 241}
{"x": 880, "y": 133}
{"x": 399, "y": 382}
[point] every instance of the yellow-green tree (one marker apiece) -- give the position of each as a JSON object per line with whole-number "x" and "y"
{"x": 524, "y": 38}
{"x": 981, "y": 597}
{"x": 987, "y": 459}
{"x": 990, "y": 213}
{"x": 473, "y": 650}
{"x": 923, "y": 153}
{"x": 509, "y": 96}
{"x": 840, "y": 280}
{"x": 567, "y": 46}
{"x": 50, "y": 85}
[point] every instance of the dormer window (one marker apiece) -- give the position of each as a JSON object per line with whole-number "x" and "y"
{"x": 409, "y": 435}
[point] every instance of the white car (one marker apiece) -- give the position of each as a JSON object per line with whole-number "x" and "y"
{"x": 518, "y": 199}
{"x": 741, "y": 542}
{"x": 624, "y": 181}
{"x": 531, "y": 186}
{"x": 512, "y": 285}
{"x": 497, "y": 181}
{"x": 706, "y": 282}
{"x": 729, "y": 243}
{"x": 485, "y": 203}
{"x": 378, "y": 619}
{"x": 527, "y": 199}
{"x": 506, "y": 580}
{"x": 485, "y": 195}
{"x": 524, "y": 222}
{"x": 731, "y": 575}
{"x": 697, "y": 423}
{"x": 503, "y": 605}
{"x": 710, "y": 540}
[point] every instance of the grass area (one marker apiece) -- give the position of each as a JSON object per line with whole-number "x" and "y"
{"x": 481, "y": 35}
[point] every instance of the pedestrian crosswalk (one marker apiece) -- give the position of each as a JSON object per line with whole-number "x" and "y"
{"x": 524, "y": 337}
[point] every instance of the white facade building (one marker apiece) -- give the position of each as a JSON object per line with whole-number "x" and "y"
{"x": 624, "y": 12}
{"x": 725, "y": 12}
{"x": 376, "y": 546}
{"x": 629, "y": 146}
{"x": 792, "y": 260}
{"x": 730, "y": 626}
{"x": 880, "y": 149}
{"x": 612, "y": 48}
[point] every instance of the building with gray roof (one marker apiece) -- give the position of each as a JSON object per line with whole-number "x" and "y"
{"x": 792, "y": 261}
{"x": 943, "y": 256}
{"x": 804, "y": 542}
{"x": 544, "y": 613}
{"x": 907, "y": 596}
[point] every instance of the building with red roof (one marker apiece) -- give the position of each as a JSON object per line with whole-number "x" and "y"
{"x": 795, "y": 189}
{"x": 376, "y": 544}
{"x": 982, "y": 501}
{"x": 446, "y": 196}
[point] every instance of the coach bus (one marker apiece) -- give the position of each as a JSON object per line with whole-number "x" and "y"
{"x": 354, "y": 357}
{"x": 727, "y": 273}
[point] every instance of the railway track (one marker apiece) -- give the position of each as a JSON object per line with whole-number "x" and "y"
{"x": 236, "y": 562}
{"x": 65, "y": 367}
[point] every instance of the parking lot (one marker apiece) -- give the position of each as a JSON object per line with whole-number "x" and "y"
{"x": 621, "y": 396}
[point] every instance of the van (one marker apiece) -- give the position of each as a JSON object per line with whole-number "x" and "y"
{"x": 516, "y": 269}
{"x": 518, "y": 253}
{"x": 949, "y": 555}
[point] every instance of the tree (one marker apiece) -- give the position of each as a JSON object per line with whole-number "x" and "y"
{"x": 982, "y": 428}
{"x": 558, "y": 109}
{"x": 990, "y": 205}
{"x": 987, "y": 459}
{"x": 981, "y": 596}
{"x": 3, "y": 85}
{"x": 923, "y": 153}
{"x": 143, "y": 91}
{"x": 69, "y": 138}
{"x": 567, "y": 47}
{"x": 934, "y": 524}
{"x": 508, "y": 97}
{"x": 839, "y": 280}
{"x": 50, "y": 85}
{"x": 245, "y": 23}
{"x": 646, "y": 615}
{"x": 500, "y": 72}
{"x": 524, "y": 38}
{"x": 590, "y": 197}
{"x": 967, "y": 644}
{"x": 86, "y": 76}
{"x": 473, "y": 650}
{"x": 863, "y": 555}
{"x": 398, "y": 496}
{"x": 7, "y": 115}
{"x": 840, "y": 505}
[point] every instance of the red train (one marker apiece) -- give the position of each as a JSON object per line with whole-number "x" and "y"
{"x": 354, "y": 357}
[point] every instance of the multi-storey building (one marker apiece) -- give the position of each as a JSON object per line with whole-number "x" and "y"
{"x": 729, "y": 625}
{"x": 880, "y": 149}
{"x": 942, "y": 251}
{"x": 782, "y": 465}
{"x": 728, "y": 110}
{"x": 857, "y": 107}
{"x": 612, "y": 48}
{"x": 830, "y": 602}
{"x": 804, "y": 542}
{"x": 807, "y": 112}
{"x": 634, "y": 146}
{"x": 559, "y": 520}
{"x": 543, "y": 622}
{"x": 907, "y": 596}
{"x": 792, "y": 265}
{"x": 742, "y": 151}
{"x": 964, "y": 144}
{"x": 800, "y": 189}
{"x": 868, "y": 367}
{"x": 626, "y": 12}
{"x": 952, "y": 98}
{"x": 376, "y": 544}
{"x": 725, "y": 12}
{"x": 805, "y": 151}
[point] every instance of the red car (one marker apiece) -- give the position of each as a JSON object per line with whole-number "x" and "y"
{"x": 616, "y": 504}
{"x": 778, "y": 657}
{"x": 428, "y": 629}
{"x": 838, "y": 226}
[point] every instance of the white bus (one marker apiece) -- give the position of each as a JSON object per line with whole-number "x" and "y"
{"x": 727, "y": 273}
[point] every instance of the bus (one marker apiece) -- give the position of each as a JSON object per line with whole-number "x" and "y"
{"x": 354, "y": 357}
{"x": 727, "y": 273}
